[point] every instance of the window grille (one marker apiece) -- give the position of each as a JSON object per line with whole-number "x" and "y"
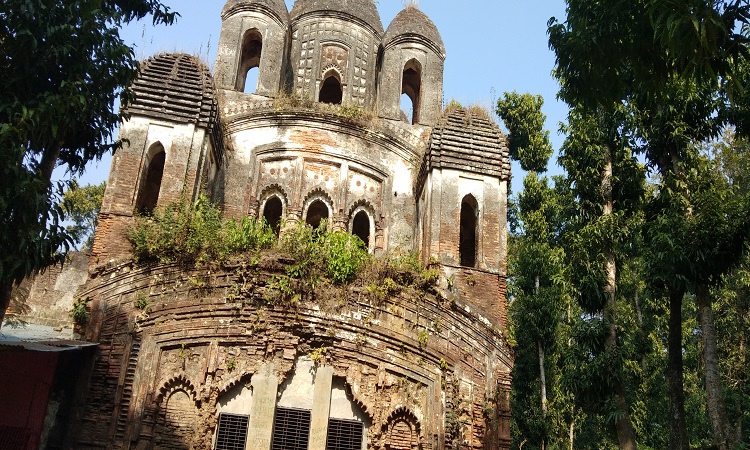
{"x": 232, "y": 432}
{"x": 344, "y": 434}
{"x": 291, "y": 429}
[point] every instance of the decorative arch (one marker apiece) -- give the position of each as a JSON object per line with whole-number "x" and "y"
{"x": 469, "y": 228}
{"x": 229, "y": 384}
{"x": 360, "y": 212}
{"x": 178, "y": 383}
{"x": 411, "y": 86}
{"x": 273, "y": 206}
{"x": 315, "y": 198}
{"x": 178, "y": 414}
{"x": 402, "y": 430}
{"x": 250, "y": 55}
{"x": 331, "y": 86}
{"x": 151, "y": 178}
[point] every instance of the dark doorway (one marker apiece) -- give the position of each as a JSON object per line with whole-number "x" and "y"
{"x": 316, "y": 212}
{"x": 361, "y": 227}
{"x": 272, "y": 213}
{"x": 331, "y": 91}
{"x": 151, "y": 185}
{"x": 468, "y": 232}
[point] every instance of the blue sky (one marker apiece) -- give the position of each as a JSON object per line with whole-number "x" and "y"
{"x": 492, "y": 46}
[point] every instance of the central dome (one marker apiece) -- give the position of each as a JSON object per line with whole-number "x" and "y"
{"x": 362, "y": 10}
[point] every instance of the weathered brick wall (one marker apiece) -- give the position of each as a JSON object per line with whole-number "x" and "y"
{"x": 47, "y": 298}
{"x": 418, "y": 353}
{"x": 111, "y": 241}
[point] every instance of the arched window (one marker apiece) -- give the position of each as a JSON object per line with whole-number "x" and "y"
{"x": 316, "y": 212}
{"x": 411, "y": 86}
{"x": 252, "y": 47}
{"x": 331, "y": 90}
{"x": 361, "y": 227}
{"x": 272, "y": 212}
{"x": 148, "y": 195}
{"x": 468, "y": 232}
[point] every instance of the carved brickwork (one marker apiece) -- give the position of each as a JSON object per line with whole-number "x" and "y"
{"x": 353, "y": 54}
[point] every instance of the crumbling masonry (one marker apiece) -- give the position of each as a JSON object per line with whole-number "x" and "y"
{"x": 322, "y": 135}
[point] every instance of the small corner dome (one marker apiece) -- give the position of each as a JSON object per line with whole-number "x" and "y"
{"x": 363, "y": 10}
{"x": 273, "y": 7}
{"x": 410, "y": 23}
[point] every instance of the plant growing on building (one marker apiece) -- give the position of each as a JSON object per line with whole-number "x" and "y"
{"x": 423, "y": 337}
{"x": 141, "y": 301}
{"x": 80, "y": 313}
{"x": 318, "y": 355}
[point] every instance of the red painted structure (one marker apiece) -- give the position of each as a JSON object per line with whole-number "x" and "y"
{"x": 26, "y": 379}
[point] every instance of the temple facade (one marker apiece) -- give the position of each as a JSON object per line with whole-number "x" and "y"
{"x": 300, "y": 121}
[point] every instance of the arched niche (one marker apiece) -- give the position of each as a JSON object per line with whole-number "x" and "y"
{"x": 273, "y": 211}
{"x": 252, "y": 48}
{"x": 468, "y": 231}
{"x": 176, "y": 421}
{"x": 362, "y": 227}
{"x": 411, "y": 87}
{"x": 317, "y": 211}
{"x": 331, "y": 89}
{"x": 151, "y": 178}
{"x": 402, "y": 431}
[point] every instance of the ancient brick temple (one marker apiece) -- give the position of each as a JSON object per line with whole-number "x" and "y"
{"x": 321, "y": 135}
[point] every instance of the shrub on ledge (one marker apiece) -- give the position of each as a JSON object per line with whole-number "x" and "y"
{"x": 195, "y": 232}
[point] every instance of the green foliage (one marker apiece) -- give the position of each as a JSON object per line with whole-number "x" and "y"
{"x": 335, "y": 254}
{"x": 81, "y": 205}
{"x": 318, "y": 355}
{"x": 528, "y": 141}
{"x": 62, "y": 67}
{"x": 141, "y": 301}
{"x": 80, "y": 313}
{"x": 231, "y": 364}
{"x": 382, "y": 291}
{"x": 423, "y": 337}
{"x": 188, "y": 232}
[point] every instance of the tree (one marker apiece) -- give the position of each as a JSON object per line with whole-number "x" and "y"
{"x": 536, "y": 267}
{"x": 667, "y": 63}
{"x": 81, "y": 205}
{"x": 62, "y": 66}
{"x": 537, "y": 270}
{"x": 528, "y": 141}
{"x": 607, "y": 183}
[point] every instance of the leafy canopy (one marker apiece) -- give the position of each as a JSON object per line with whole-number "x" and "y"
{"x": 529, "y": 141}
{"x": 62, "y": 66}
{"x": 81, "y": 205}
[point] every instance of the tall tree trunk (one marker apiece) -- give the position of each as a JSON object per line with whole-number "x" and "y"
{"x": 543, "y": 386}
{"x": 542, "y": 374}
{"x": 571, "y": 429}
{"x": 678, "y": 439}
{"x": 542, "y": 378}
{"x": 623, "y": 425}
{"x": 714, "y": 395}
{"x": 639, "y": 314}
